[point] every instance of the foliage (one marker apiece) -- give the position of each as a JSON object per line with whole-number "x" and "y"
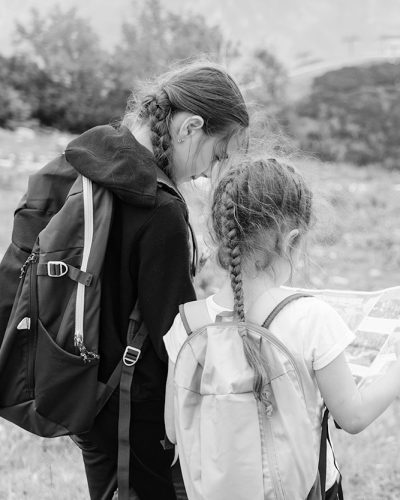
{"x": 15, "y": 102}
{"x": 153, "y": 41}
{"x": 353, "y": 114}
{"x": 155, "y": 38}
{"x": 61, "y": 77}
{"x": 70, "y": 67}
{"x": 263, "y": 79}
{"x": 77, "y": 84}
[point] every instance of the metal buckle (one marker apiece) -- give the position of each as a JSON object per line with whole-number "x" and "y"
{"x": 131, "y": 355}
{"x": 56, "y": 268}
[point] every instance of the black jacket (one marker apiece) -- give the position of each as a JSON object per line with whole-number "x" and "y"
{"x": 147, "y": 257}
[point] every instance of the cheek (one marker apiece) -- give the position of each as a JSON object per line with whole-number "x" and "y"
{"x": 180, "y": 164}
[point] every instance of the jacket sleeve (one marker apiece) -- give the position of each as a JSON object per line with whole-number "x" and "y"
{"x": 164, "y": 280}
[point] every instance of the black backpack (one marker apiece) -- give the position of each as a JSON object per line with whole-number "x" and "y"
{"x": 50, "y": 282}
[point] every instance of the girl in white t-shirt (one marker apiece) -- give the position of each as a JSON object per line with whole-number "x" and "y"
{"x": 261, "y": 211}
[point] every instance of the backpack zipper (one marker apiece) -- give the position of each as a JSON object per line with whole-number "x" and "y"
{"x": 31, "y": 259}
{"x": 87, "y": 189}
{"x": 265, "y": 424}
{"x": 31, "y": 263}
{"x": 266, "y": 427}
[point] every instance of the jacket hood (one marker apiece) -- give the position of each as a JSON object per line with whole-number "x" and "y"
{"x": 113, "y": 158}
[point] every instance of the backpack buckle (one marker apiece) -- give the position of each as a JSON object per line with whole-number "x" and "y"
{"x": 131, "y": 355}
{"x": 56, "y": 268}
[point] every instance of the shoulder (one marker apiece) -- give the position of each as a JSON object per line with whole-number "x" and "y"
{"x": 316, "y": 309}
{"x": 314, "y": 314}
{"x": 169, "y": 216}
{"x": 324, "y": 331}
{"x": 170, "y": 201}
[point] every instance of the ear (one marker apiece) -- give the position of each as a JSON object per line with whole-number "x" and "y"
{"x": 291, "y": 237}
{"x": 190, "y": 125}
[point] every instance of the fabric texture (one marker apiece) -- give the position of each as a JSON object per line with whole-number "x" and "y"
{"x": 147, "y": 259}
{"x": 314, "y": 334}
{"x": 324, "y": 334}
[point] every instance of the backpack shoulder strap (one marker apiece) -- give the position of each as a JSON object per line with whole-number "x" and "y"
{"x": 277, "y": 309}
{"x": 194, "y": 315}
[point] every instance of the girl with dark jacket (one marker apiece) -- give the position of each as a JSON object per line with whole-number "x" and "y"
{"x": 190, "y": 120}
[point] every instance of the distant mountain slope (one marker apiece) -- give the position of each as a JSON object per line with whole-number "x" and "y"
{"x": 298, "y": 31}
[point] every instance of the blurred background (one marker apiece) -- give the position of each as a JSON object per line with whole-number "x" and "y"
{"x": 322, "y": 80}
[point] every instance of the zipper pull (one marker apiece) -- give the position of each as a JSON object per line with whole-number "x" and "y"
{"x": 30, "y": 260}
{"x": 24, "y": 324}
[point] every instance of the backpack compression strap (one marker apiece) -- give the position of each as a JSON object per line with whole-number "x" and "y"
{"x": 274, "y": 313}
{"x": 325, "y": 439}
{"x": 197, "y": 312}
{"x": 122, "y": 376}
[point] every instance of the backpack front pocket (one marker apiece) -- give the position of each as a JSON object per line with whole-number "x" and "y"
{"x": 65, "y": 385}
{"x": 17, "y": 350}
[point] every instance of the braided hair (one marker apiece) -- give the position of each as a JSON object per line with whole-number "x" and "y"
{"x": 230, "y": 231}
{"x": 253, "y": 205}
{"x": 199, "y": 88}
{"x": 157, "y": 111}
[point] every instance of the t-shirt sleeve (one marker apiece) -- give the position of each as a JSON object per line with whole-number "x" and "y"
{"x": 174, "y": 338}
{"x": 327, "y": 335}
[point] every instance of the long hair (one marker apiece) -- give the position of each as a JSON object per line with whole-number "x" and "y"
{"x": 203, "y": 89}
{"x": 254, "y": 206}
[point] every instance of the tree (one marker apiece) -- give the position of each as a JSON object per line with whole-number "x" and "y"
{"x": 353, "y": 114}
{"x": 155, "y": 39}
{"x": 19, "y": 82}
{"x": 82, "y": 85}
{"x": 263, "y": 80}
{"x": 66, "y": 50}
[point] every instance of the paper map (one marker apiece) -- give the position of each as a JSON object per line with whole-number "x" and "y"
{"x": 374, "y": 317}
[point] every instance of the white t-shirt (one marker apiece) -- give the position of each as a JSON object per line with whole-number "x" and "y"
{"x": 311, "y": 330}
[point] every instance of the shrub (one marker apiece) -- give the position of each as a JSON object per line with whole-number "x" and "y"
{"x": 353, "y": 115}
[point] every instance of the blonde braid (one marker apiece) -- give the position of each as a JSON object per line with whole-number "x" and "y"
{"x": 231, "y": 243}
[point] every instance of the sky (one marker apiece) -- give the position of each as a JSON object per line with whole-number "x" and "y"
{"x": 297, "y": 31}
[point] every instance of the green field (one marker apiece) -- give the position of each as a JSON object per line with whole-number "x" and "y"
{"x": 355, "y": 245}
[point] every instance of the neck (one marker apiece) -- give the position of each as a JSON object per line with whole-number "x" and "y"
{"x": 252, "y": 289}
{"x": 142, "y": 135}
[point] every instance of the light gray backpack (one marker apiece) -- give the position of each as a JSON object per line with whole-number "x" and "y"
{"x": 230, "y": 447}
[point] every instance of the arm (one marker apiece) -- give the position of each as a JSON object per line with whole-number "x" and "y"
{"x": 169, "y": 414}
{"x": 354, "y": 409}
{"x": 164, "y": 280}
